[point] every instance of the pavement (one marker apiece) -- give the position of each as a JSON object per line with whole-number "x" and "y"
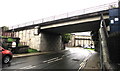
{"x": 28, "y": 54}
{"x": 93, "y": 63}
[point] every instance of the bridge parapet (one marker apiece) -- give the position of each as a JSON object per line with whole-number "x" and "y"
{"x": 69, "y": 14}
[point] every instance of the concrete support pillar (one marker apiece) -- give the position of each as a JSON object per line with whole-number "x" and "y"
{"x": 50, "y": 42}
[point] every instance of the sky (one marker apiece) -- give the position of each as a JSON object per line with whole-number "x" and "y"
{"x": 14, "y": 12}
{"x": 88, "y": 33}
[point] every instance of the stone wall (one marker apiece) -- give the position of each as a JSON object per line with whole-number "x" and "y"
{"x": 27, "y": 37}
{"x": 41, "y": 42}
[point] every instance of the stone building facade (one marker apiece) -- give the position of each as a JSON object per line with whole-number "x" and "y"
{"x": 80, "y": 40}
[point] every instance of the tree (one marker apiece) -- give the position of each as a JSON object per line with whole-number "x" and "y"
{"x": 65, "y": 38}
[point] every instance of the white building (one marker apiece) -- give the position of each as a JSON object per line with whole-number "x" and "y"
{"x": 79, "y": 40}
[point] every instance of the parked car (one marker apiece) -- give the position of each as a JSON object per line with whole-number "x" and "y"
{"x": 86, "y": 46}
{"x": 6, "y": 55}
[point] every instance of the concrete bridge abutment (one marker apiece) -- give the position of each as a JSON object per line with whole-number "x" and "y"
{"x": 50, "y": 42}
{"x": 44, "y": 41}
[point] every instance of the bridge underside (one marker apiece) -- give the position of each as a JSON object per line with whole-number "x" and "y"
{"x": 79, "y": 27}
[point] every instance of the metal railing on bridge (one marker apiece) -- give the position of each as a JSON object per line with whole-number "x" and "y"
{"x": 69, "y": 14}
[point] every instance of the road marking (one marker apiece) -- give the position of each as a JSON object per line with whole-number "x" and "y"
{"x": 63, "y": 55}
{"x": 58, "y": 59}
{"x": 55, "y": 60}
{"x": 82, "y": 65}
{"x": 52, "y": 60}
{"x": 18, "y": 62}
{"x": 31, "y": 67}
{"x": 28, "y": 67}
{"x": 24, "y": 67}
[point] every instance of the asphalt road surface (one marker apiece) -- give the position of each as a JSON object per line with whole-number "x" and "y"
{"x": 71, "y": 59}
